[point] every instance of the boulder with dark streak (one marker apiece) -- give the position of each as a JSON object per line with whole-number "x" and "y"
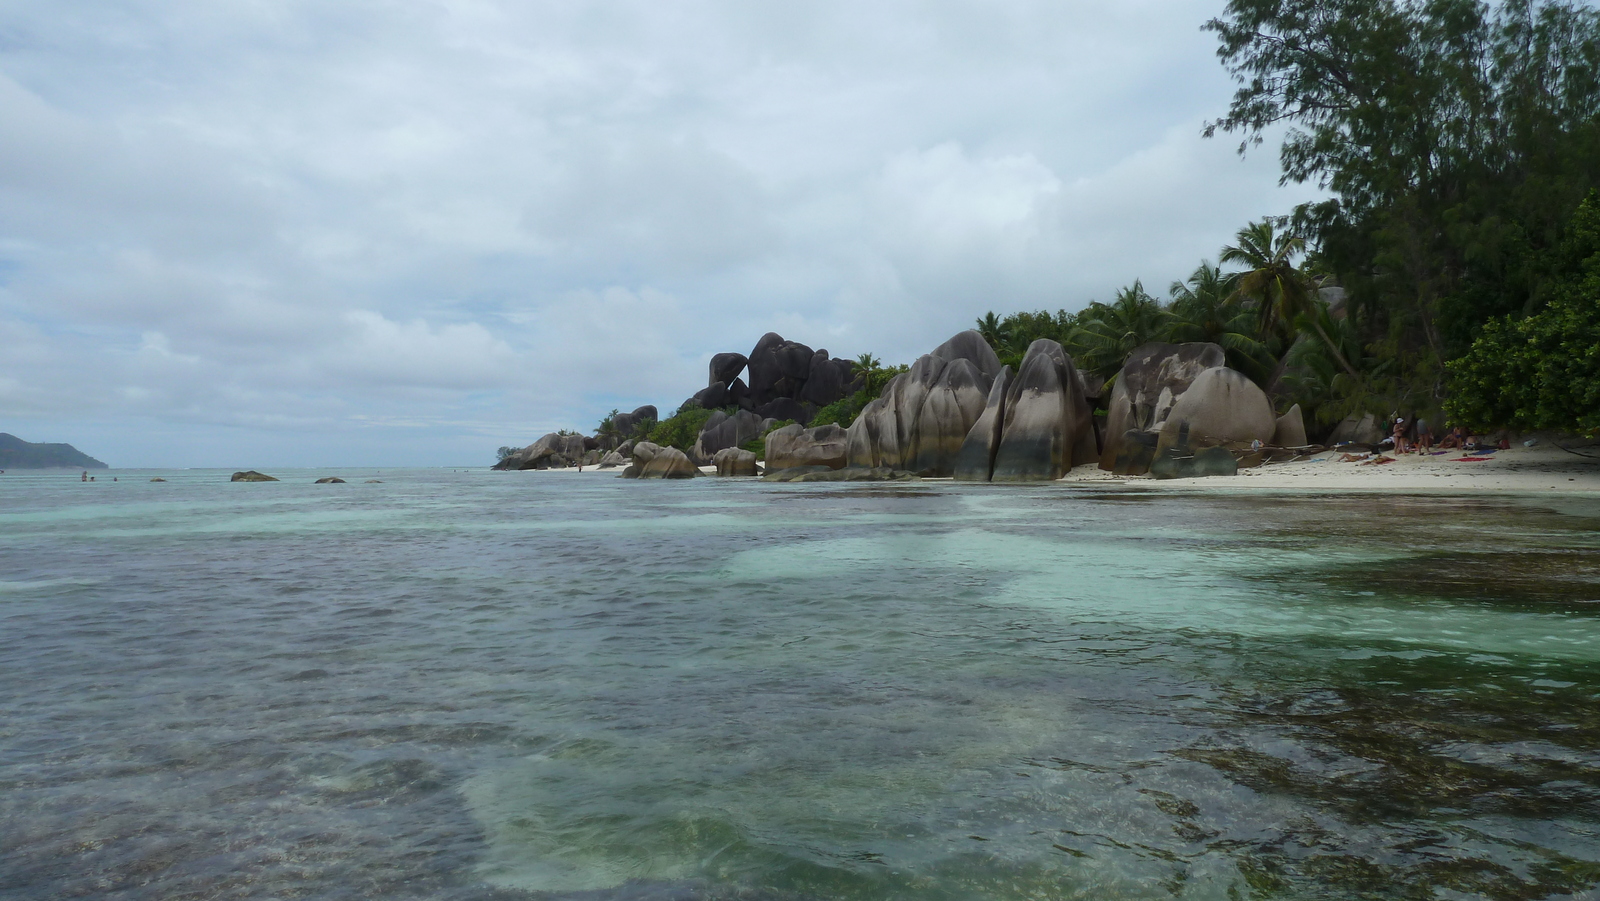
{"x": 1151, "y": 381}
{"x": 975, "y": 461}
{"x": 793, "y": 446}
{"x": 1046, "y": 426}
{"x": 726, "y": 367}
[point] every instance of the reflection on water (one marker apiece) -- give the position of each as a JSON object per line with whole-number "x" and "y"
{"x": 495, "y": 686}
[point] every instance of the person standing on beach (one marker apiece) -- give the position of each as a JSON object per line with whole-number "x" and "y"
{"x": 1424, "y": 437}
{"x": 1400, "y": 435}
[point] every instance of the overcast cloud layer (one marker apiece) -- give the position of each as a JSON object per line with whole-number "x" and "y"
{"x": 386, "y": 233}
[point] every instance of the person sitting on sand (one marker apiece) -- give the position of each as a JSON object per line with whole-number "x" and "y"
{"x": 1454, "y": 438}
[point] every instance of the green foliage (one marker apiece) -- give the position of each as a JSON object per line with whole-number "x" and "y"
{"x": 1541, "y": 371}
{"x": 682, "y": 429}
{"x": 1105, "y": 334}
{"x": 1456, "y": 139}
{"x": 504, "y": 452}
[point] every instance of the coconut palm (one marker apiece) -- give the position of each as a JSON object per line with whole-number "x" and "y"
{"x": 1107, "y": 333}
{"x": 1204, "y": 309}
{"x": 1281, "y": 292}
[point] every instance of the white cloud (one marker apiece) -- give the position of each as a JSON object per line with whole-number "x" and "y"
{"x": 297, "y": 225}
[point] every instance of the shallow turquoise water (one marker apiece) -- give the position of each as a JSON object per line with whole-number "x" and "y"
{"x": 521, "y": 685}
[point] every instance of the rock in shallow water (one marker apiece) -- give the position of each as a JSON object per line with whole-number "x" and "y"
{"x": 330, "y": 480}
{"x": 251, "y": 475}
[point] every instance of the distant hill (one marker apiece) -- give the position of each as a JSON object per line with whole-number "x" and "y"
{"x": 18, "y": 454}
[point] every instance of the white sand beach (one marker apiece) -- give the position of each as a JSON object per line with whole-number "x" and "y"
{"x": 1543, "y": 468}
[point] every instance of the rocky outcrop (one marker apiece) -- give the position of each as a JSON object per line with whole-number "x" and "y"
{"x": 913, "y": 424}
{"x": 785, "y": 408}
{"x": 553, "y": 450}
{"x": 794, "y": 445}
{"x": 1290, "y": 430}
{"x": 651, "y": 461}
{"x": 1046, "y": 425}
{"x": 734, "y": 461}
{"x": 1150, "y": 383}
{"x": 627, "y": 423}
{"x": 723, "y": 431}
{"x": 330, "y": 480}
{"x": 1221, "y": 408}
{"x": 975, "y": 460}
{"x": 251, "y": 475}
{"x": 1354, "y": 429}
{"x": 726, "y": 367}
{"x": 612, "y": 460}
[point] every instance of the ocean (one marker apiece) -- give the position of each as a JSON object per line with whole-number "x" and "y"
{"x": 476, "y": 685}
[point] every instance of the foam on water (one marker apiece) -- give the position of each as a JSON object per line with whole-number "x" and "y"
{"x": 459, "y": 685}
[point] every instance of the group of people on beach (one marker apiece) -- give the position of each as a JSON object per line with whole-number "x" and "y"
{"x": 1423, "y": 443}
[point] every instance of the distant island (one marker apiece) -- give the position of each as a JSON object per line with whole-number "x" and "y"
{"x": 18, "y": 454}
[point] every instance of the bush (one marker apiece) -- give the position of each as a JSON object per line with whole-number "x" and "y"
{"x": 682, "y": 429}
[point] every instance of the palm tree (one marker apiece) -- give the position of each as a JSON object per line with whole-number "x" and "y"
{"x": 1204, "y": 309}
{"x": 1281, "y": 291}
{"x": 1107, "y": 333}
{"x": 993, "y": 330}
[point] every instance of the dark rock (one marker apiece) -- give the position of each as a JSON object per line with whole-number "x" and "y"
{"x": 612, "y": 460}
{"x": 825, "y": 383}
{"x": 1221, "y": 407}
{"x": 970, "y": 345}
{"x": 711, "y": 398}
{"x": 553, "y": 449}
{"x": 738, "y": 392}
{"x": 625, "y": 448}
{"x": 251, "y": 475}
{"x": 778, "y": 368}
{"x": 645, "y": 451}
{"x": 626, "y": 423}
{"x": 374, "y": 481}
{"x": 1047, "y": 427}
{"x": 591, "y": 443}
{"x": 726, "y": 367}
{"x": 733, "y": 461}
{"x": 631, "y": 472}
{"x": 793, "y": 446}
{"x": 330, "y": 480}
{"x": 590, "y": 458}
{"x": 1151, "y": 381}
{"x": 723, "y": 431}
{"x": 1362, "y": 429}
{"x": 949, "y": 411}
{"x": 158, "y": 480}
{"x": 975, "y": 461}
{"x": 786, "y": 408}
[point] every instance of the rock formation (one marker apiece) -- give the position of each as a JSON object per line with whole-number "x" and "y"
{"x": 786, "y": 380}
{"x": 734, "y": 461}
{"x": 553, "y": 449}
{"x": 723, "y": 431}
{"x": 330, "y": 480}
{"x": 975, "y": 460}
{"x": 1150, "y": 383}
{"x": 626, "y": 423}
{"x": 1047, "y": 426}
{"x": 914, "y": 423}
{"x": 1222, "y": 407}
{"x": 1290, "y": 430}
{"x": 651, "y": 461}
{"x": 251, "y": 475}
{"x": 1358, "y": 429}
{"x": 795, "y": 445}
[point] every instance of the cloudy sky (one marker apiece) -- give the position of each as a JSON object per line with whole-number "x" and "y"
{"x": 301, "y": 232}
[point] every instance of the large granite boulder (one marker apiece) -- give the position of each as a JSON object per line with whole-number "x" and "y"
{"x": 1290, "y": 430}
{"x": 250, "y": 475}
{"x": 826, "y": 380}
{"x": 1222, "y": 407}
{"x": 726, "y": 367}
{"x": 901, "y": 429}
{"x": 724, "y": 431}
{"x": 778, "y": 368}
{"x": 975, "y": 461}
{"x": 553, "y": 449}
{"x": 612, "y": 460}
{"x": 949, "y": 411}
{"x": 786, "y": 408}
{"x": 1047, "y": 426}
{"x": 711, "y": 398}
{"x": 626, "y": 423}
{"x": 1357, "y": 429}
{"x": 734, "y": 461}
{"x": 1151, "y": 381}
{"x": 794, "y": 445}
{"x": 652, "y": 461}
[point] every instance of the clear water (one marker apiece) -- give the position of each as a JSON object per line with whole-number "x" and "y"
{"x": 504, "y": 686}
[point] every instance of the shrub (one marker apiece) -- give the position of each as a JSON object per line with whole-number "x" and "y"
{"x": 758, "y": 446}
{"x": 682, "y": 429}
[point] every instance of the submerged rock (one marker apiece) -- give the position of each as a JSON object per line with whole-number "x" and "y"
{"x": 855, "y": 474}
{"x": 1175, "y": 463}
{"x": 251, "y": 475}
{"x": 330, "y": 480}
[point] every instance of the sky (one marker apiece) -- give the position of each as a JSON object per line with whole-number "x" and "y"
{"x": 284, "y": 233}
